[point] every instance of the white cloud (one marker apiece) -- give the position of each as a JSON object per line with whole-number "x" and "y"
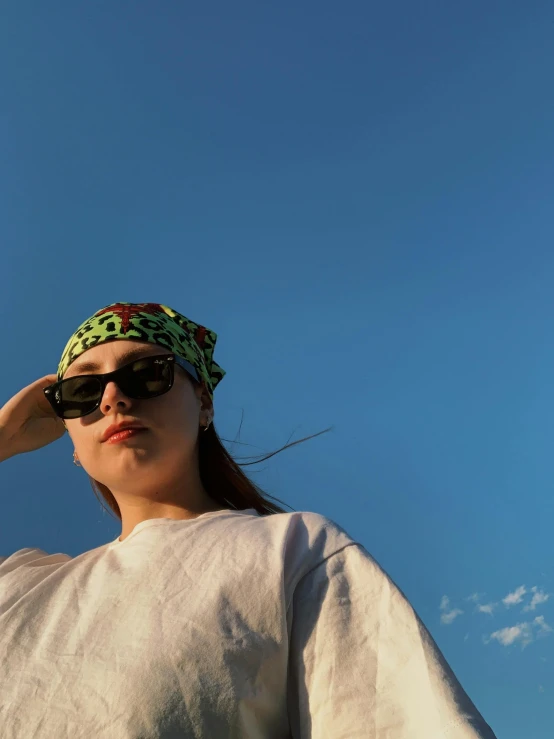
{"x": 511, "y": 634}
{"x": 449, "y": 616}
{"x": 516, "y": 597}
{"x": 488, "y": 608}
{"x": 521, "y": 632}
{"x": 539, "y": 597}
{"x": 475, "y": 597}
{"x": 543, "y": 627}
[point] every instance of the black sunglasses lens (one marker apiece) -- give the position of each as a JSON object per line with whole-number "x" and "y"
{"x": 79, "y": 396}
{"x": 145, "y": 378}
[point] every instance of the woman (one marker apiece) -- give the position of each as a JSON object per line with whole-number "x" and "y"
{"x": 215, "y": 613}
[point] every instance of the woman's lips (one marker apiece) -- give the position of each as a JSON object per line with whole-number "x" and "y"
{"x": 123, "y": 435}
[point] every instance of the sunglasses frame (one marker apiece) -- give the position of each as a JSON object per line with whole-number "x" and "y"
{"x": 172, "y": 359}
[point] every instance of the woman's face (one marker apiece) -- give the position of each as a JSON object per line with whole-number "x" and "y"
{"x": 154, "y": 457}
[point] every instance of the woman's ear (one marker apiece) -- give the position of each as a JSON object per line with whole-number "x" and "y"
{"x": 206, "y": 403}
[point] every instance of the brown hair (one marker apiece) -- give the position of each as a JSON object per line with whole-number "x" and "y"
{"x": 222, "y": 477}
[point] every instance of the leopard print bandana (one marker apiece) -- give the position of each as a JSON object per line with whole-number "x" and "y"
{"x": 153, "y": 324}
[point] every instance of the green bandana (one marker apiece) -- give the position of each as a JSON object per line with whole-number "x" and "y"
{"x": 153, "y": 324}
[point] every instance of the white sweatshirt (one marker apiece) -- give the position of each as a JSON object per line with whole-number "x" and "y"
{"x": 225, "y": 626}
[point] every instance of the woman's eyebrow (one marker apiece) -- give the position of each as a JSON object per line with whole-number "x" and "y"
{"x": 81, "y": 367}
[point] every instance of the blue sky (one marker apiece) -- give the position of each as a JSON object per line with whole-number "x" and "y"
{"x": 357, "y": 198}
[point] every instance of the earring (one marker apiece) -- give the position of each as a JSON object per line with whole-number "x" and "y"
{"x": 208, "y": 421}
{"x": 75, "y": 460}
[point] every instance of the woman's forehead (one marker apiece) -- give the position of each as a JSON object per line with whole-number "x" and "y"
{"x": 99, "y": 357}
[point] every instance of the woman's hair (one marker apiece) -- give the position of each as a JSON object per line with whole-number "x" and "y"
{"x": 222, "y": 477}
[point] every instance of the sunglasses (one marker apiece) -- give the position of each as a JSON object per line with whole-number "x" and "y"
{"x": 144, "y": 378}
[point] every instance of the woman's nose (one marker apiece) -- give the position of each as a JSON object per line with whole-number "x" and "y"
{"x": 114, "y": 398}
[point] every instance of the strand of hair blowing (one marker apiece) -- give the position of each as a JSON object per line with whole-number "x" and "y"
{"x": 222, "y": 477}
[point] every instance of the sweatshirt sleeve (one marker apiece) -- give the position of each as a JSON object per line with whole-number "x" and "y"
{"x": 363, "y": 666}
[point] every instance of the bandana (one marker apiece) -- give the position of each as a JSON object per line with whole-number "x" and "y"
{"x": 154, "y": 324}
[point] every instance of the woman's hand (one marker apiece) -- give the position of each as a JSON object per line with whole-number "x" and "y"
{"x": 27, "y": 421}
